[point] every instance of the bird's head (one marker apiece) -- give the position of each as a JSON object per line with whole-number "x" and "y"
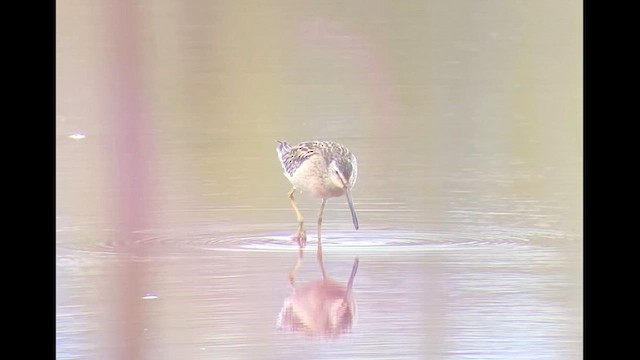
{"x": 342, "y": 173}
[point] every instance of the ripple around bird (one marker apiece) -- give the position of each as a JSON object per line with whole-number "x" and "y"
{"x": 178, "y": 241}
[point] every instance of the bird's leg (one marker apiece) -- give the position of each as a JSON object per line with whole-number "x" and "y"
{"x": 294, "y": 271}
{"x": 320, "y": 262}
{"x": 301, "y": 236}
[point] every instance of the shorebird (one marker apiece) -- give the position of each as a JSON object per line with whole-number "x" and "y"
{"x": 325, "y": 169}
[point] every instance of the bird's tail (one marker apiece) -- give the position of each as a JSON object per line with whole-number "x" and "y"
{"x": 282, "y": 148}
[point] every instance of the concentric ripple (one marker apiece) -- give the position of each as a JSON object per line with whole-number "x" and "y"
{"x": 190, "y": 240}
{"x": 343, "y": 242}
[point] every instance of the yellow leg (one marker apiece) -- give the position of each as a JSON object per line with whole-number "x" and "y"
{"x": 320, "y": 261}
{"x": 301, "y": 236}
{"x": 294, "y": 271}
{"x": 301, "y": 239}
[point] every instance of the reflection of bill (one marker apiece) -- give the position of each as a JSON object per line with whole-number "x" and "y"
{"x": 322, "y": 308}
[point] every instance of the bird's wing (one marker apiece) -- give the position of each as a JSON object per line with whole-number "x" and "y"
{"x": 293, "y": 158}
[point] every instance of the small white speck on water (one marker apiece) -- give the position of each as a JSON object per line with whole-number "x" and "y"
{"x": 77, "y": 136}
{"x": 150, "y": 297}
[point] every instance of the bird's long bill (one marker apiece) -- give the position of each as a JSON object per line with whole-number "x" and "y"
{"x": 347, "y": 294}
{"x": 353, "y": 210}
{"x": 354, "y": 269}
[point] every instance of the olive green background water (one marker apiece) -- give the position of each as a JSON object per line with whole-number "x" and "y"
{"x": 173, "y": 224}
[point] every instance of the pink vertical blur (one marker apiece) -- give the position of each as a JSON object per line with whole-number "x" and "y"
{"x": 130, "y": 129}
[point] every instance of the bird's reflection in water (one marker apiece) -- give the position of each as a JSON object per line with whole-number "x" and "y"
{"x": 323, "y": 308}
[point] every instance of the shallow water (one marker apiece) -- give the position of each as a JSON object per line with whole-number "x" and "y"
{"x": 506, "y": 287}
{"x": 173, "y": 223}
{"x": 441, "y": 298}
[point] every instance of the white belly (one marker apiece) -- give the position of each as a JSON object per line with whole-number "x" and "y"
{"x": 311, "y": 178}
